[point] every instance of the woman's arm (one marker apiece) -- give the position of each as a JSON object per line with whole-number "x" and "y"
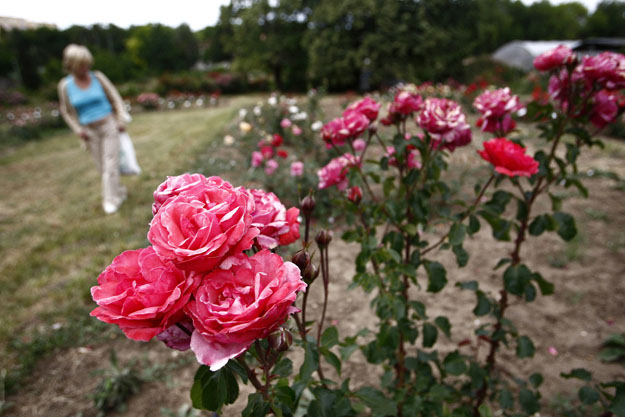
{"x": 68, "y": 112}
{"x": 115, "y": 99}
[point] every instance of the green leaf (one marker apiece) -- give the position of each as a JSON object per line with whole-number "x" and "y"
{"x": 311, "y": 361}
{"x": 499, "y": 201}
{"x": 556, "y": 202}
{"x": 483, "y": 306}
{"x": 566, "y": 225}
{"x": 256, "y": 406}
{"x": 454, "y": 364}
{"x": 346, "y": 351}
{"x": 485, "y": 411}
{"x": 539, "y": 225}
{"x": 456, "y": 234}
{"x": 283, "y": 368}
{"x": 462, "y": 256}
{"x": 377, "y": 401}
{"x": 578, "y": 373}
{"x": 330, "y": 337}
{"x": 430, "y": 335}
{"x": 536, "y": 380}
{"x": 332, "y": 359}
{"x": 587, "y": 395}
{"x": 617, "y": 406}
{"x": 502, "y": 262}
{"x": 211, "y": 390}
{"x": 437, "y": 276}
{"x": 524, "y": 347}
{"x": 516, "y": 278}
{"x": 443, "y": 324}
{"x": 468, "y": 285}
{"x": 506, "y": 400}
{"x": 474, "y": 225}
{"x": 546, "y": 287}
{"x": 529, "y": 401}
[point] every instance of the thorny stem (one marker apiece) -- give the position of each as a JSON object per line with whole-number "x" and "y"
{"x": 326, "y": 279}
{"x": 471, "y": 209}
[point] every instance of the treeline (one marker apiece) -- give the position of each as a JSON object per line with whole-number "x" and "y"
{"x": 339, "y": 44}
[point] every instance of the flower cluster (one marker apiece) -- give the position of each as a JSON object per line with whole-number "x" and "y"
{"x": 445, "y": 122}
{"x": 586, "y": 86}
{"x": 195, "y": 286}
{"x": 268, "y": 149}
{"x": 496, "y": 107}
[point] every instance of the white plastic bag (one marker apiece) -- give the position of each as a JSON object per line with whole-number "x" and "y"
{"x": 127, "y": 158}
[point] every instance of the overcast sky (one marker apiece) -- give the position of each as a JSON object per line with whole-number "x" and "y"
{"x": 196, "y": 13}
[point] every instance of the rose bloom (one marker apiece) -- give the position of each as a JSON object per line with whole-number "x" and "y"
{"x": 359, "y": 145}
{"x": 411, "y": 159}
{"x": 185, "y": 183}
{"x": 297, "y": 169}
{"x": 354, "y": 194}
{"x": 496, "y": 107}
{"x": 245, "y": 127}
{"x": 273, "y": 220}
{"x": 335, "y": 132}
{"x": 282, "y": 153}
{"x": 444, "y": 121}
{"x": 245, "y": 300}
{"x": 508, "y": 158}
{"x": 200, "y": 227}
{"x": 335, "y": 173}
{"x": 406, "y": 103}
{"x": 355, "y": 123}
{"x": 276, "y": 140}
{"x": 266, "y": 151}
{"x": 296, "y": 130}
{"x": 367, "y": 106}
{"x": 271, "y": 166}
{"x": 557, "y": 57}
{"x": 142, "y": 293}
{"x": 257, "y": 159}
{"x": 607, "y": 68}
{"x": 285, "y": 123}
{"x": 605, "y": 108}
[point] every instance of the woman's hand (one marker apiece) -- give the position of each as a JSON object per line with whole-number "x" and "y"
{"x": 83, "y": 135}
{"x": 121, "y": 128}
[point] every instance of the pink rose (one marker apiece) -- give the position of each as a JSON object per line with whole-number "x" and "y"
{"x": 296, "y": 130}
{"x": 444, "y": 121}
{"x": 605, "y": 108}
{"x": 355, "y": 123}
{"x": 496, "y": 107}
{"x": 406, "y": 103}
{"x": 176, "y": 338}
{"x": 367, "y": 106}
{"x": 271, "y": 166}
{"x": 173, "y": 186}
{"x": 297, "y": 169}
{"x": 559, "y": 85}
{"x": 335, "y": 132}
{"x": 257, "y": 159}
{"x": 199, "y": 228}
{"x": 246, "y": 300}
{"x": 354, "y": 194}
{"x": 142, "y": 293}
{"x": 335, "y": 173}
{"x": 607, "y": 68}
{"x": 270, "y": 217}
{"x": 285, "y": 123}
{"x": 412, "y": 161}
{"x": 557, "y": 57}
{"x": 359, "y": 145}
{"x": 292, "y": 219}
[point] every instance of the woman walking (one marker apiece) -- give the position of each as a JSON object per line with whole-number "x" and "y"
{"x": 94, "y": 110}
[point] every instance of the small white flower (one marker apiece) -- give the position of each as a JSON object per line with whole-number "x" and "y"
{"x": 228, "y": 140}
{"x": 273, "y": 100}
{"x": 522, "y": 112}
{"x": 199, "y": 102}
{"x": 171, "y": 105}
{"x": 187, "y": 104}
{"x": 242, "y": 113}
{"x": 293, "y": 109}
{"x": 316, "y": 126}
{"x": 257, "y": 110}
{"x": 300, "y": 116}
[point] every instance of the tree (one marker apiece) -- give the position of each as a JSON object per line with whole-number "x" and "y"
{"x": 607, "y": 20}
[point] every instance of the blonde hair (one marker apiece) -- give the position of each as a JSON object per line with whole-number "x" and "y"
{"x": 76, "y": 55}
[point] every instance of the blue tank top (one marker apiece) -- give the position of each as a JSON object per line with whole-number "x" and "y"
{"x": 91, "y": 104}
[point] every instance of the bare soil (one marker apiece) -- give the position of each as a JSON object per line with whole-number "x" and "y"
{"x": 588, "y": 306}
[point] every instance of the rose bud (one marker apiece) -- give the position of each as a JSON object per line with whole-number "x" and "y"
{"x": 310, "y": 273}
{"x": 323, "y": 239}
{"x": 301, "y": 258}
{"x": 280, "y": 340}
{"x": 308, "y": 205}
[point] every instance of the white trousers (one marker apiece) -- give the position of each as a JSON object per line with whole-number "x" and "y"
{"x": 104, "y": 146}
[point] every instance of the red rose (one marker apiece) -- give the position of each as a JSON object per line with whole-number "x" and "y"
{"x": 277, "y": 141}
{"x": 142, "y": 294}
{"x": 198, "y": 230}
{"x": 266, "y": 151}
{"x": 282, "y": 153}
{"x": 508, "y": 158}
{"x": 247, "y": 299}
